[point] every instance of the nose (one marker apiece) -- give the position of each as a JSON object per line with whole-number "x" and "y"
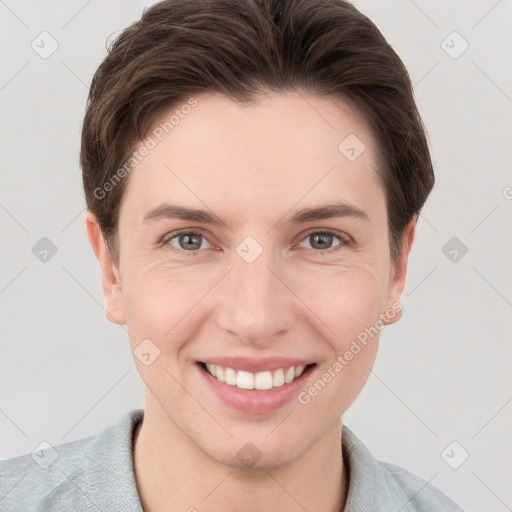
{"x": 254, "y": 302}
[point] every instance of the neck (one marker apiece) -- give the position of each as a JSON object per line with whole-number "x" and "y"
{"x": 173, "y": 473}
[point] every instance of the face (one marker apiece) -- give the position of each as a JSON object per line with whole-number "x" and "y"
{"x": 252, "y": 241}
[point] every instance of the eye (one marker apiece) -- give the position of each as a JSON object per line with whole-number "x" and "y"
{"x": 323, "y": 240}
{"x": 188, "y": 241}
{"x": 191, "y": 241}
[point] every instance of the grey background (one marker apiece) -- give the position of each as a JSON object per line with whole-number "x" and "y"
{"x": 443, "y": 372}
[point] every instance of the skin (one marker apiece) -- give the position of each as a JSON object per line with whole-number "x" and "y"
{"x": 253, "y": 167}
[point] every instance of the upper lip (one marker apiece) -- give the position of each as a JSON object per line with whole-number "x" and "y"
{"x": 252, "y": 365}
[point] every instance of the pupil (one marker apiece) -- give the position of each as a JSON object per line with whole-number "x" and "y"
{"x": 322, "y": 241}
{"x": 190, "y": 241}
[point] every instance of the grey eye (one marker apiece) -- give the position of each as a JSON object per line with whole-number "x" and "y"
{"x": 321, "y": 241}
{"x": 188, "y": 241}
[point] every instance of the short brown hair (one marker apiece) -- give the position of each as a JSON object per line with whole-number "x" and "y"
{"x": 240, "y": 48}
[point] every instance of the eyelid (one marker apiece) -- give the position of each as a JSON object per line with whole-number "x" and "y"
{"x": 340, "y": 234}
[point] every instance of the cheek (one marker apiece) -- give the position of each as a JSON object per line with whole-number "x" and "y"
{"x": 161, "y": 301}
{"x": 156, "y": 305}
{"x": 346, "y": 310}
{"x": 346, "y": 300}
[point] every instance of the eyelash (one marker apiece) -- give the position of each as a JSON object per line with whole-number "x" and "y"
{"x": 342, "y": 237}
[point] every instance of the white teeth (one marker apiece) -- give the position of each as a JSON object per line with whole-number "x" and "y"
{"x": 299, "y": 370}
{"x": 230, "y": 376}
{"x": 244, "y": 380}
{"x": 263, "y": 380}
{"x": 260, "y": 381}
{"x": 289, "y": 375}
{"x": 220, "y": 374}
{"x": 278, "y": 378}
{"x": 211, "y": 368}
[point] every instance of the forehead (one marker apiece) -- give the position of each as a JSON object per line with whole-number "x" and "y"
{"x": 291, "y": 147}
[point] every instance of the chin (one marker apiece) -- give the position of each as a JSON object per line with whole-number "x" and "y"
{"x": 250, "y": 458}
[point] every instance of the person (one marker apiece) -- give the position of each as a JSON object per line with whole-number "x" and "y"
{"x": 253, "y": 171}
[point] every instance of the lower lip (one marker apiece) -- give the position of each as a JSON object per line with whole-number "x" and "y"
{"x": 255, "y": 401}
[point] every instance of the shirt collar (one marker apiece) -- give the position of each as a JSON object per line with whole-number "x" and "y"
{"x": 111, "y": 479}
{"x": 371, "y": 487}
{"x": 109, "y": 470}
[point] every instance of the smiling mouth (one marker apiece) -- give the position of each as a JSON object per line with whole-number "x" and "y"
{"x": 260, "y": 381}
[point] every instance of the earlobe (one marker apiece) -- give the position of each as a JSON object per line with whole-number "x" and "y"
{"x": 398, "y": 275}
{"x": 111, "y": 279}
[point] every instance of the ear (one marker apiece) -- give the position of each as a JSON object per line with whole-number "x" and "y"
{"x": 398, "y": 275}
{"x": 111, "y": 278}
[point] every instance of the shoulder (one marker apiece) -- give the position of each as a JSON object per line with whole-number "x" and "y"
{"x": 27, "y": 482}
{"x": 78, "y": 475}
{"x": 420, "y": 494}
{"x": 377, "y": 485}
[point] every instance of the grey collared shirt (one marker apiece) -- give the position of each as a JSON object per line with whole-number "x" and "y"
{"x": 96, "y": 474}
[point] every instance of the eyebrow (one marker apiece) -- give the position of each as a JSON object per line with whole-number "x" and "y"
{"x": 169, "y": 211}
